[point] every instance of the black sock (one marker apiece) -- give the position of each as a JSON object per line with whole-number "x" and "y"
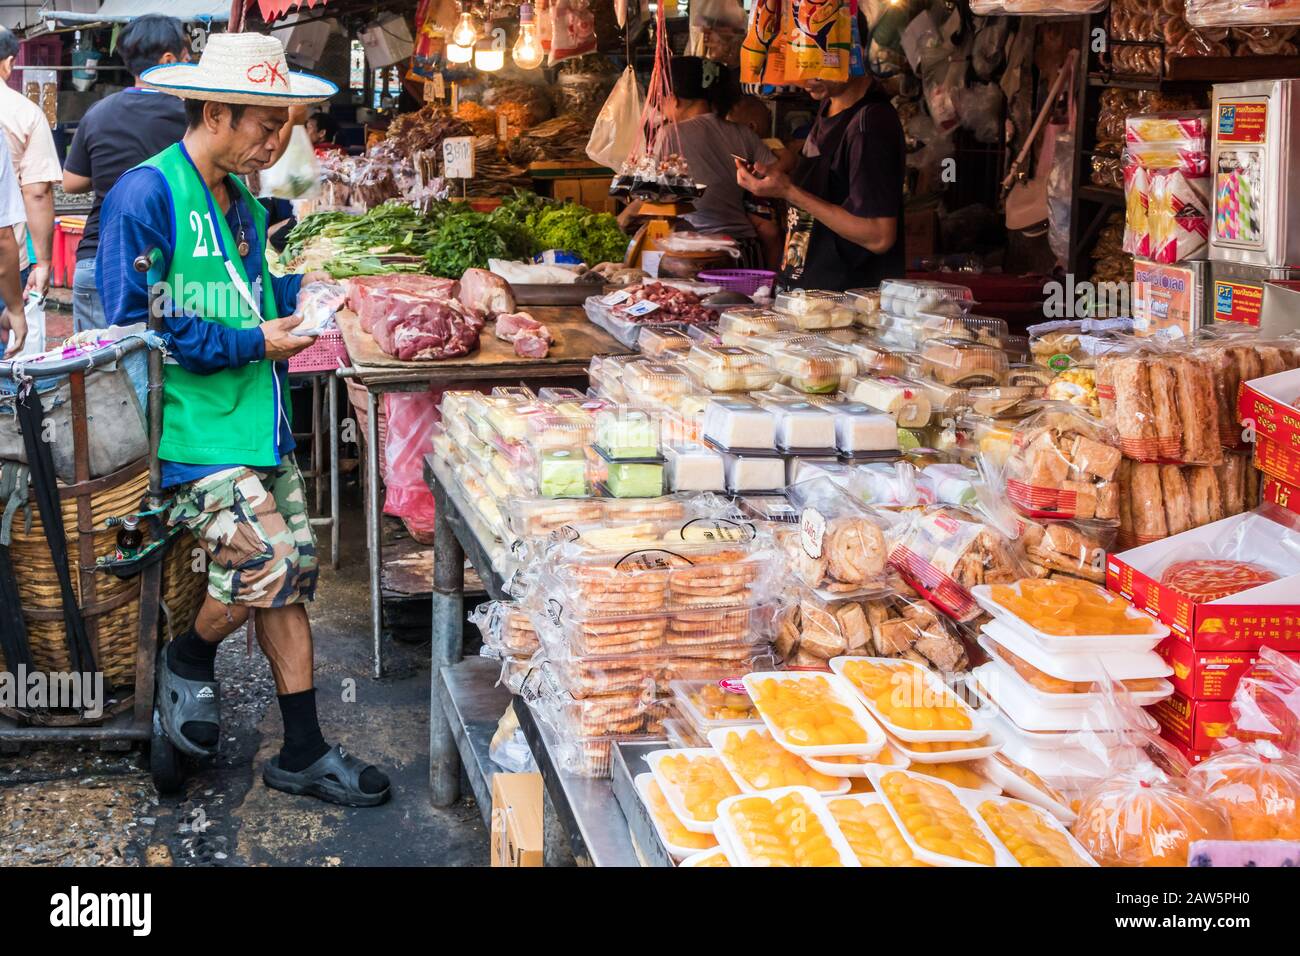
{"x": 303, "y": 742}
{"x": 193, "y": 658}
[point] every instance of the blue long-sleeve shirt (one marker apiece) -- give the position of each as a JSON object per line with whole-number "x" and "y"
{"x": 136, "y": 217}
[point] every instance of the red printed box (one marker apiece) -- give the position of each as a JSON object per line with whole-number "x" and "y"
{"x": 1196, "y": 724}
{"x": 1269, "y": 405}
{"x": 1193, "y": 756}
{"x": 1280, "y": 493}
{"x": 1206, "y": 675}
{"x": 1263, "y": 616}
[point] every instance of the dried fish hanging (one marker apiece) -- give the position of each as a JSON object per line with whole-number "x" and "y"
{"x": 656, "y": 171}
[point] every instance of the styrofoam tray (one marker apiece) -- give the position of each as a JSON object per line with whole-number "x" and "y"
{"x": 901, "y": 762}
{"x": 719, "y": 734}
{"x": 1052, "y": 701}
{"x": 1046, "y": 818}
{"x": 1051, "y": 756}
{"x": 1076, "y": 666}
{"x": 1074, "y": 643}
{"x": 999, "y": 682}
{"x": 671, "y": 793}
{"x": 1001, "y": 856}
{"x": 643, "y": 781}
{"x": 736, "y": 849}
{"x": 950, "y": 756}
{"x": 700, "y": 858}
{"x": 843, "y": 694}
{"x": 866, "y": 799}
{"x": 1020, "y": 788}
{"x": 932, "y": 682}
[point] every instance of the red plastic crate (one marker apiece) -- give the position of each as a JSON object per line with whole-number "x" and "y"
{"x": 324, "y": 355}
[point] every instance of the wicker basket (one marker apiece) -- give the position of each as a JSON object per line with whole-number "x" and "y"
{"x": 110, "y": 605}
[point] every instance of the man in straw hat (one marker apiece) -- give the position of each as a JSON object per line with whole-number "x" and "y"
{"x": 227, "y": 445}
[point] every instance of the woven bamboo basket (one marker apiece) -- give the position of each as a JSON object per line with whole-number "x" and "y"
{"x": 109, "y": 605}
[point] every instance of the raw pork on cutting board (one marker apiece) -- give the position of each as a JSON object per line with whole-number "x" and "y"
{"x": 530, "y": 338}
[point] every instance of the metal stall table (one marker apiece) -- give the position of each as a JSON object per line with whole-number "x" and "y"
{"x": 493, "y": 363}
{"x": 466, "y": 704}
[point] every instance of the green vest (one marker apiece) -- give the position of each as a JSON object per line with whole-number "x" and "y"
{"x": 229, "y": 417}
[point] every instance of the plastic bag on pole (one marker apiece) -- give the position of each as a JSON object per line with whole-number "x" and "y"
{"x": 618, "y": 124}
{"x": 296, "y": 175}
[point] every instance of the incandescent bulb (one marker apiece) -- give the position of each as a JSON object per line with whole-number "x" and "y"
{"x": 527, "y": 51}
{"x": 466, "y": 31}
{"x": 459, "y": 54}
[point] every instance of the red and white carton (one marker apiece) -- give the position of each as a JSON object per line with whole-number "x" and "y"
{"x": 1270, "y": 404}
{"x": 1263, "y": 616}
{"x": 1280, "y": 493}
{"x": 1207, "y": 675}
{"x": 1193, "y": 756}
{"x": 1198, "y": 725}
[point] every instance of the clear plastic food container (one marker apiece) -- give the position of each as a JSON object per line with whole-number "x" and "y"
{"x": 657, "y": 343}
{"x": 963, "y": 363}
{"x": 657, "y": 381}
{"x": 538, "y": 517}
{"x": 681, "y": 735}
{"x": 860, "y": 428}
{"x": 555, "y": 430}
{"x": 946, "y": 401}
{"x": 624, "y": 432}
{"x": 813, "y": 309}
{"x": 680, "y": 842}
{"x": 786, "y": 827}
{"x": 693, "y": 467}
{"x": 560, "y": 393}
{"x": 727, "y": 368}
{"x": 814, "y": 714}
{"x": 909, "y": 700}
{"x": 907, "y": 401}
{"x": 695, "y": 782}
{"x": 708, "y": 631}
{"x": 866, "y": 304}
{"x": 709, "y": 704}
{"x": 747, "y": 473}
{"x": 801, "y": 426}
{"x": 634, "y": 479}
{"x": 817, "y": 371}
{"x": 749, "y": 320}
{"x": 874, "y": 357}
{"x": 907, "y": 297}
{"x": 758, "y": 763}
{"x": 997, "y": 401}
{"x": 737, "y": 423}
{"x": 562, "y": 473}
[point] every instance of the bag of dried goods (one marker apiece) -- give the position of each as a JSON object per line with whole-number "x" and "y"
{"x": 838, "y": 546}
{"x": 1237, "y": 358}
{"x": 506, "y": 628}
{"x": 1161, "y": 403}
{"x": 1266, "y": 703}
{"x": 1072, "y": 548}
{"x": 1063, "y": 464}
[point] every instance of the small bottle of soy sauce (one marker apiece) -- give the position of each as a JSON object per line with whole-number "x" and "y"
{"x": 130, "y": 537}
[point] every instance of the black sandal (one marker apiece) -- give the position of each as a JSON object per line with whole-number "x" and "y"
{"x": 182, "y": 702}
{"x": 335, "y": 777}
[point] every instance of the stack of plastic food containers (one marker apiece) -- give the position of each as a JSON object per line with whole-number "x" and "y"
{"x": 623, "y": 611}
{"x": 1055, "y": 645}
{"x": 703, "y": 706}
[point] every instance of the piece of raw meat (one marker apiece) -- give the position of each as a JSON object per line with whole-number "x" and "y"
{"x": 429, "y": 329}
{"x": 373, "y": 296}
{"x": 510, "y": 324}
{"x": 486, "y": 294}
{"x": 532, "y": 344}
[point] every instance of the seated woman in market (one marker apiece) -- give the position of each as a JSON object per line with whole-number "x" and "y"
{"x": 703, "y": 93}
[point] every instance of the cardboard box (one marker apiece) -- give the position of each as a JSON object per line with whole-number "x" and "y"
{"x": 1264, "y": 616}
{"x": 1276, "y": 460}
{"x": 1196, "y": 724}
{"x": 1193, "y": 756}
{"x": 1269, "y": 404}
{"x": 1281, "y": 494}
{"x": 517, "y": 819}
{"x": 1207, "y": 675}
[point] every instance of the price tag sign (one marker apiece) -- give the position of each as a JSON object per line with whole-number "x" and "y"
{"x": 503, "y": 128}
{"x": 439, "y": 87}
{"x": 430, "y": 94}
{"x": 458, "y": 157}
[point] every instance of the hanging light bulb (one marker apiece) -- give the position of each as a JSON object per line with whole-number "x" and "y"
{"x": 466, "y": 31}
{"x": 459, "y": 54}
{"x": 527, "y": 51}
{"x": 489, "y": 57}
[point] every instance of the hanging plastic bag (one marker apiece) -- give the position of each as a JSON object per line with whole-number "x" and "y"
{"x": 820, "y": 36}
{"x": 760, "y": 41}
{"x": 1257, "y": 786}
{"x": 617, "y": 126}
{"x": 574, "y": 30}
{"x": 296, "y": 175}
{"x": 717, "y": 30}
{"x": 34, "y": 310}
{"x": 410, "y": 417}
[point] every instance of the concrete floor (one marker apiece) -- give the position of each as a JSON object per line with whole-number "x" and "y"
{"x": 77, "y": 806}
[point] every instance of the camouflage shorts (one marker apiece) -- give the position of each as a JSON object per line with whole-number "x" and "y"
{"x": 253, "y": 524}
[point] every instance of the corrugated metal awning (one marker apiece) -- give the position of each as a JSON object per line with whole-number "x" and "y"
{"x": 124, "y": 10}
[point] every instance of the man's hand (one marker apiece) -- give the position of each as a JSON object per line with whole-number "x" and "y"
{"x": 769, "y": 183}
{"x": 319, "y": 275}
{"x": 15, "y": 323}
{"x": 38, "y": 280}
{"x": 281, "y": 343}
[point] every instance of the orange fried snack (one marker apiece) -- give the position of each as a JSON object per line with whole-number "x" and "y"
{"x": 766, "y": 765}
{"x": 935, "y": 818}
{"x": 673, "y": 829}
{"x": 1068, "y": 606}
{"x": 714, "y": 703}
{"x": 1025, "y": 831}
{"x": 807, "y": 713}
{"x": 958, "y": 773}
{"x": 703, "y": 782}
{"x": 872, "y": 834}
{"x": 905, "y": 698}
{"x": 1126, "y": 822}
{"x": 782, "y": 832}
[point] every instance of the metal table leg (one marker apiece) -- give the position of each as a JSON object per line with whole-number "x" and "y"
{"x": 317, "y": 444}
{"x": 374, "y": 530}
{"x": 332, "y": 398}
{"x": 446, "y": 647}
